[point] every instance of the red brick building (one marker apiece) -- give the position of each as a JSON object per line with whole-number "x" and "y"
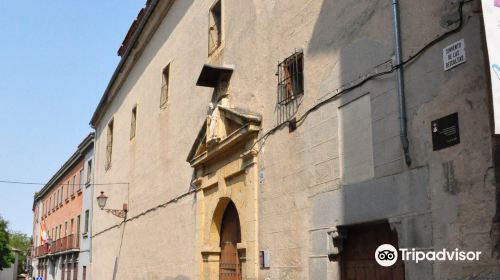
{"x": 59, "y": 222}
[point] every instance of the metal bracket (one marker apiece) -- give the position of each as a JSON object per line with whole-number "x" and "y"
{"x": 119, "y": 213}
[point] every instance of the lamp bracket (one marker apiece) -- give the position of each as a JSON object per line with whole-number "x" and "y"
{"x": 119, "y": 213}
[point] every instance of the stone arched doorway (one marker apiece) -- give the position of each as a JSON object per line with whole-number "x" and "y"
{"x": 230, "y": 264}
{"x": 225, "y": 175}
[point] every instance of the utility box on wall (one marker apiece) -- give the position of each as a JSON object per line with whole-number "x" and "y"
{"x": 264, "y": 259}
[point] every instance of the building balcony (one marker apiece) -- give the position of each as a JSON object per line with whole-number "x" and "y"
{"x": 61, "y": 245}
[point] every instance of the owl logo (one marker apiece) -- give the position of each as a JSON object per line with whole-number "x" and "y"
{"x": 434, "y": 128}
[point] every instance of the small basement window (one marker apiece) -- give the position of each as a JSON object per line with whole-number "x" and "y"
{"x": 290, "y": 77}
{"x": 215, "y": 27}
{"x": 165, "y": 86}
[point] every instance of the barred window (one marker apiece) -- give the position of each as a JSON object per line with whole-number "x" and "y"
{"x": 290, "y": 78}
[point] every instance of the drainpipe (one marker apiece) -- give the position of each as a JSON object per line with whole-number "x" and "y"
{"x": 92, "y": 196}
{"x": 403, "y": 129}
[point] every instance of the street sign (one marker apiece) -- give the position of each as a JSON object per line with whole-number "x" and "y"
{"x": 454, "y": 55}
{"x": 445, "y": 132}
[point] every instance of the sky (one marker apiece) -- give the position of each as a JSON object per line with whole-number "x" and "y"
{"x": 56, "y": 59}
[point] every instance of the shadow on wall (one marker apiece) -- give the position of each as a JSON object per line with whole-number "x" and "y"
{"x": 350, "y": 19}
{"x": 178, "y": 277}
{"x": 362, "y": 35}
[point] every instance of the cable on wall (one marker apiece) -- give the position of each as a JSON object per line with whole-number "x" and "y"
{"x": 359, "y": 82}
{"x": 43, "y": 184}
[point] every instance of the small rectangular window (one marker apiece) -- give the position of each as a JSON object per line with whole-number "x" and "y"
{"x": 86, "y": 229}
{"x": 109, "y": 145}
{"x": 133, "y": 122}
{"x": 215, "y": 28}
{"x": 291, "y": 78}
{"x": 67, "y": 189}
{"x": 74, "y": 184}
{"x": 78, "y": 228}
{"x": 165, "y": 82}
{"x": 89, "y": 171}
{"x": 80, "y": 179}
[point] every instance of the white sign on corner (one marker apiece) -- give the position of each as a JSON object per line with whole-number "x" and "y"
{"x": 454, "y": 55}
{"x": 491, "y": 15}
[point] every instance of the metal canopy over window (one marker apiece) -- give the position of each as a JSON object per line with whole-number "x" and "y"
{"x": 211, "y": 75}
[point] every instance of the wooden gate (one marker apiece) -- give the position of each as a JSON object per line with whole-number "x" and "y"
{"x": 358, "y": 256}
{"x": 230, "y": 265}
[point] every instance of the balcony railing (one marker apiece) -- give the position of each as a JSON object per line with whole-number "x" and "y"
{"x": 70, "y": 242}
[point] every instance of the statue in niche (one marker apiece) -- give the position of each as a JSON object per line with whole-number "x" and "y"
{"x": 220, "y": 93}
{"x": 212, "y": 124}
{"x": 219, "y": 97}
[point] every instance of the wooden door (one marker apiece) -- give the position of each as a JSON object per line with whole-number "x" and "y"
{"x": 230, "y": 266}
{"x": 358, "y": 255}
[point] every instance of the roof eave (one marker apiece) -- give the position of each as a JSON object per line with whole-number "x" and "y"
{"x": 101, "y": 106}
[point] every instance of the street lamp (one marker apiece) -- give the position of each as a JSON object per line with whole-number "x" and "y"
{"x": 101, "y": 201}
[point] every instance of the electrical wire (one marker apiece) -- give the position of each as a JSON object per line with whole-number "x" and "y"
{"x": 299, "y": 120}
{"x": 353, "y": 85}
{"x": 43, "y": 184}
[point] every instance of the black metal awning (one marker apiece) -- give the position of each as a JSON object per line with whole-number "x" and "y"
{"x": 210, "y": 75}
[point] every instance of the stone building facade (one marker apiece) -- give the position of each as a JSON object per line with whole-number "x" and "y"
{"x": 302, "y": 154}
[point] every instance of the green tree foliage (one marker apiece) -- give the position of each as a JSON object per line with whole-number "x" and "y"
{"x": 20, "y": 241}
{"x": 6, "y": 256}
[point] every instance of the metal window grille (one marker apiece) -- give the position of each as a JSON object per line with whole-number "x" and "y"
{"x": 290, "y": 87}
{"x": 290, "y": 78}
